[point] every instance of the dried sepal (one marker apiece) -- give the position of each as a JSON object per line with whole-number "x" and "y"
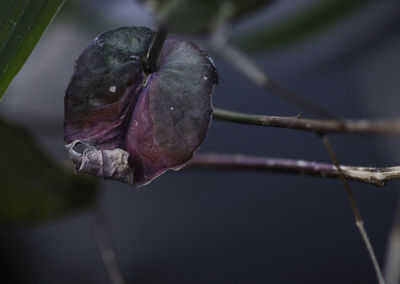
{"x": 106, "y": 164}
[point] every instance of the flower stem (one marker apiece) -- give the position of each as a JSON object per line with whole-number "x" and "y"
{"x": 155, "y": 49}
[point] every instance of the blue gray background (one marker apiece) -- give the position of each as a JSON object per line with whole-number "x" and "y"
{"x": 225, "y": 227}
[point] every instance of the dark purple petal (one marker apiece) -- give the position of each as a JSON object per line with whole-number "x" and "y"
{"x": 105, "y": 86}
{"x": 172, "y": 116}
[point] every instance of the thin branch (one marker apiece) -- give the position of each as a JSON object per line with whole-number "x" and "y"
{"x": 106, "y": 247}
{"x": 346, "y": 126}
{"x": 370, "y": 175}
{"x": 356, "y": 211}
{"x": 155, "y": 49}
{"x": 251, "y": 70}
{"x": 392, "y": 263}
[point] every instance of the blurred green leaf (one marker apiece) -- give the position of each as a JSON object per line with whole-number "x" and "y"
{"x": 197, "y": 16}
{"x": 33, "y": 188}
{"x": 22, "y": 22}
{"x": 295, "y": 28}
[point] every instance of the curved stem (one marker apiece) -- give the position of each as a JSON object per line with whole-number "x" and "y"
{"x": 356, "y": 211}
{"x": 251, "y": 70}
{"x": 346, "y": 126}
{"x": 155, "y": 49}
{"x": 392, "y": 261}
{"x": 375, "y": 176}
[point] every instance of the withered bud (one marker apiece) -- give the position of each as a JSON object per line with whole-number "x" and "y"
{"x": 107, "y": 164}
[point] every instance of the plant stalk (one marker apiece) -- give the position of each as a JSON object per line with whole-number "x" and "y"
{"x": 345, "y": 126}
{"x": 218, "y": 161}
{"x": 356, "y": 211}
{"x": 155, "y": 49}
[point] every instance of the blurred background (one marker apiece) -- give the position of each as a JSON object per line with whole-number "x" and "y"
{"x": 226, "y": 227}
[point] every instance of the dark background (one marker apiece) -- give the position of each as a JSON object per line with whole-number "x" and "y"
{"x": 225, "y": 227}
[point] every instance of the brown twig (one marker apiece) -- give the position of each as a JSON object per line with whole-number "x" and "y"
{"x": 392, "y": 263}
{"x": 370, "y": 175}
{"x": 356, "y": 211}
{"x": 345, "y": 126}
